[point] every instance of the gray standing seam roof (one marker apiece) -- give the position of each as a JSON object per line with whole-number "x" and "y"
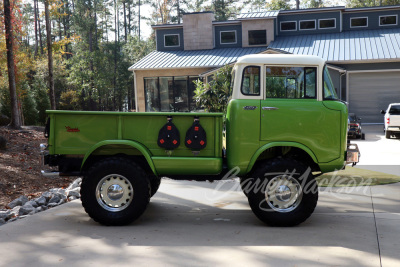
{"x": 193, "y": 58}
{"x": 263, "y": 14}
{"x": 373, "y": 45}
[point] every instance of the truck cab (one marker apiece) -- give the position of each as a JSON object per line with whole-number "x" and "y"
{"x": 286, "y": 105}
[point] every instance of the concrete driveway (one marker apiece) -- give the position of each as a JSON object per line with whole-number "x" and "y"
{"x": 210, "y": 224}
{"x": 377, "y": 152}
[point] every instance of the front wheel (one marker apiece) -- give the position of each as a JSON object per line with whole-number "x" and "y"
{"x": 115, "y": 191}
{"x": 283, "y": 192}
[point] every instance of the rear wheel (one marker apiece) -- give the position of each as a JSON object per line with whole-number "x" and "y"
{"x": 387, "y": 134}
{"x": 283, "y": 192}
{"x": 155, "y": 183}
{"x": 115, "y": 191}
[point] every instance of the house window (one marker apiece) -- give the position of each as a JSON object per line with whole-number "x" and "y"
{"x": 387, "y": 20}
{"x": 228, "y": 37}
{"x": 171, "y": 40}
{"x": 290, "y": 82}
{"x": 251, "y": 81}
{"x": 170, "y": 93}
{"x": 358, "y": 22}
{"x": 327, "y": 23}
{"x": 258, "y": 37}
{"x": 307, "y": 25}
{"x": 288, "y": 26}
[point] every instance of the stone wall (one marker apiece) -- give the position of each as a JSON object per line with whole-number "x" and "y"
{"x": 198, "y": 31}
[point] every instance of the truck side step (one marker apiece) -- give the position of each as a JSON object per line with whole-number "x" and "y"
{"x": 55, "y": 174}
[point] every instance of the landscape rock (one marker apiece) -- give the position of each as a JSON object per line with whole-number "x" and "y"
{"x": 18, "y": 202}
{"x": 75, "y": 184}
{"x": 14, "y": 212}
{"x": 74, "y": 192}
{"x": 41, "y": 201}
{"x": 4, "y": 214}
{"x": 32, "y": 203}
{"x": 22, "y": 207}
{"x": 26, "y": 209}
{"x": 54, "y": 199}
{"x": 4, "y": 120}
{"x": 47, "y": 195}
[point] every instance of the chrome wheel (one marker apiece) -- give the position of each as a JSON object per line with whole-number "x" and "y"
{"x": 283, "y": 193}
{"x": 114, "y": 192}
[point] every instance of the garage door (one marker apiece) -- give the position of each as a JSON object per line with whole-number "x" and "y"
{"x": 369, "y": 92}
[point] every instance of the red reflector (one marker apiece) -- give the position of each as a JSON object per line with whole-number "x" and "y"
{"x": 162, "y": 141}
{"x": 388, "y": 120}
{"x": 175, "y": 142}
{"x": 169, "y": 128}
{"x": 201, "y": 142}
{"x": 196, "y": 128}
{"x": 189, "y": 141}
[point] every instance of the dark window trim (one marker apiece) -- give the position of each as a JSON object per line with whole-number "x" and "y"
{"x": 220, "y": 38}
{"x": 315, "y": 25}
{"x": 170, "y": 34}
{"x": 319, "y": 25}
{"x": 259, "y": 82}
{"x": 383, "y": 25}
{"x": 295, "y": 24}
{"x": 358, "y": 26}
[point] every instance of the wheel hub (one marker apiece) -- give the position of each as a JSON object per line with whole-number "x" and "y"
{"x": 283, "y": 193}
{"x": 114, "y": 192}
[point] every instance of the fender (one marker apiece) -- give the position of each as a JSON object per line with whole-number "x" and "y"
{"x": 278, "y": 144}
{"x": 142, "y": 149}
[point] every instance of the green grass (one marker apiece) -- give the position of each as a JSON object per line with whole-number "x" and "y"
{"x": 356, "y": 177}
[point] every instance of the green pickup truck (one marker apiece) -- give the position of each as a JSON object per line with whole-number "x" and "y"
{"x": 284, "y": 126}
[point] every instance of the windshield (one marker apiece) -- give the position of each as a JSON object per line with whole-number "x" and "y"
{"x": 329, "y": 89}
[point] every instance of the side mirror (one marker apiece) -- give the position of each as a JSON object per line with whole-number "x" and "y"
{"x": 383, "y": 112}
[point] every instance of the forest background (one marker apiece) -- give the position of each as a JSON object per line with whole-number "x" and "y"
{"x": 78, "y": 54}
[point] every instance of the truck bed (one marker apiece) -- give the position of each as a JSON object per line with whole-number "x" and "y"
{"x": 78, "y": 133}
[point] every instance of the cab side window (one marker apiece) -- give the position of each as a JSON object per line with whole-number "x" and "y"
{"x": 251, "y": 81}
{"x": 290, "y": 82}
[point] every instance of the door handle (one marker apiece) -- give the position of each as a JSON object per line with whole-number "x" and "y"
{"x": 269, "y": 108}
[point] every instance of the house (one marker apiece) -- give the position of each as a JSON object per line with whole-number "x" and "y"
{"x": 360, "y": 45}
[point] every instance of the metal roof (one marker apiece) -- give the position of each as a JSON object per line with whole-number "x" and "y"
{"x": 264, "y": 14}
{"x": 355, "y": 46}
{"x": 193, "y": 58}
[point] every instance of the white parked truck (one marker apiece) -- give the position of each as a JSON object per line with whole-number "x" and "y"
{"x": 392, "y": 120}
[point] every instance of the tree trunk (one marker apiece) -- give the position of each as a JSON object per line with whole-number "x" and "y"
{"x": 129, "y": 18}
{"x": 49, "y": 55}
{"x": 139, "y": 20}
{"x": 36, "y": 30}
{"x": 15, "y": 114}
{"x": 115, "y": 55}
{"x": 40, "y": 31}
{"x": 126, "y": 30}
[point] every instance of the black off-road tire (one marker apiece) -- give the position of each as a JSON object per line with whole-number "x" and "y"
{"x": 277, "y": 209}
{"x": 388, "y": 134}
{"x": 155, "y": 183}
{"x": 101, "y": 178}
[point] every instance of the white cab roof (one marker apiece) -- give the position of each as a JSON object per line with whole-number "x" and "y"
{"x": 281, "y": 59}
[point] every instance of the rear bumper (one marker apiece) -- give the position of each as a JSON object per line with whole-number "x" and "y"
{"x": 393, "y": 128}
